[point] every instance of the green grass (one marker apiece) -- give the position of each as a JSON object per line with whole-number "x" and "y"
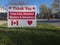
{"x": 40, "y": 26}
{"x": 43, "y": 34}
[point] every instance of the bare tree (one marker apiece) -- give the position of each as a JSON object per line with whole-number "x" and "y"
{"x": 44, "y": 11}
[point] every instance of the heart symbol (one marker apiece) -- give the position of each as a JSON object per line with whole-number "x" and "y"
{"x": 29, "y": 22}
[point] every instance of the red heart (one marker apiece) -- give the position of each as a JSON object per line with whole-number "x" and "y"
{"x": 29, "y": 22}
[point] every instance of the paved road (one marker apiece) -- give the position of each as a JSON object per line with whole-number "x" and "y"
{"x": 48, "y": 21}
{"x": 54, "y": 22}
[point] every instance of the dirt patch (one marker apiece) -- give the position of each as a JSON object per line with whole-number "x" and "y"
{"x": 2, "y": 22}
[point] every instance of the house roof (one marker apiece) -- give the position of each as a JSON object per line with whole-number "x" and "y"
{"x": 2, "y": 9}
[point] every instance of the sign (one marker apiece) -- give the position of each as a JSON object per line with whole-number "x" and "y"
{"x": 21, "y": 16}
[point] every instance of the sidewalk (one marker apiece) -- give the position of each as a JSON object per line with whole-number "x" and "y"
{"x": 55, "y": 24}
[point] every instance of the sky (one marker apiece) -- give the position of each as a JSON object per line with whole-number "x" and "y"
{"x": 4, "y": 3}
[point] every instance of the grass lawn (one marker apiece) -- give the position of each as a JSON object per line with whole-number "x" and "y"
{"x": 40, "y": 26}
{"x": 43, "y": 34}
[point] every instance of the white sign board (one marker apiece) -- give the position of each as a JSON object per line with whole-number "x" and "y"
{"x": 21, "y": 16}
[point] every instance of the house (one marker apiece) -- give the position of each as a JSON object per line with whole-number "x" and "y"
{"x": 3, "y": 13}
